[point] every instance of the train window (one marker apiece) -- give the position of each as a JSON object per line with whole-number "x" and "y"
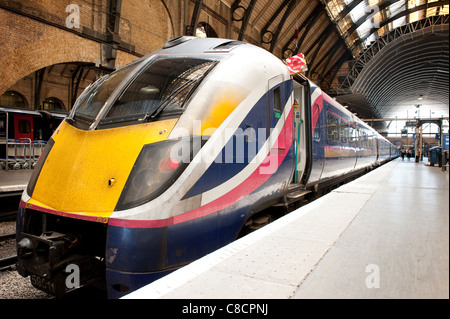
{"x": 344, "y": 132}
{"x": 165, "y": 84}
{"x": 24, "y": 126}
{"x": 373, "y": 142}
{"x": 332, "y": 128}
{"x": 94, "y": 97}
{"x": 352, "y": 135}
{"x": 277, "y": 99}
{"x": 368, "y": 141}
{"x": 316, "y": 113}
{"x": 361, "y": 138}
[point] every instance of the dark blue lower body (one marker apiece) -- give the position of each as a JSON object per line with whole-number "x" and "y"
{"x": 138, "y": 256}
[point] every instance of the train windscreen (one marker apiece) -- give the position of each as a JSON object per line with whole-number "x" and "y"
{"x": 142, "y": 94}
{"x": 164, "y": 85}
{"x": 94, "y": 97}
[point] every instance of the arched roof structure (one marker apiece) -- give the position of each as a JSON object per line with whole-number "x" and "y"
{"x": 377, "y": 56}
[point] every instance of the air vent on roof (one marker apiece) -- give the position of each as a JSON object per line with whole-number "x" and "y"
{"x": 226, "y": 46}
{"x": 176, "y": 41}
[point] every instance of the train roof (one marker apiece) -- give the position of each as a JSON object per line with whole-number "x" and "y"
{"x": 188, "y": 45}
{"x": 195, "y": 45}
{"x": 19, "y": 110}
{"x": 53, "y": 113}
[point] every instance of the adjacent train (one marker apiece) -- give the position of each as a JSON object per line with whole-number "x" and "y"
{"x": 176, "y": 155}
{"x": 23, "y": 135}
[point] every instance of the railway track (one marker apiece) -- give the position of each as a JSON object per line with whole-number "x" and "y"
{"x": 7, "y": 237}
{"x": 7, "y": 216}
{"x": 9, "y": 203}
{"x": 7, "y": 262}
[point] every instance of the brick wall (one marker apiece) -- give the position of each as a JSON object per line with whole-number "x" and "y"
{"x": 34, "y": 34}
{"x": 145, "y": 25}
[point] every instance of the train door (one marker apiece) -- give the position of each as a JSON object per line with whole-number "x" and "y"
{"x": 299, "y": 131}
{"x": 23, "y": 127}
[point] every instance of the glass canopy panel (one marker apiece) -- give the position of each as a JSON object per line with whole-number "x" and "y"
{"x": 370, "y": 15}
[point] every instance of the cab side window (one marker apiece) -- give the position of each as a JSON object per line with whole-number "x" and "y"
{"x": 277, "y": 99}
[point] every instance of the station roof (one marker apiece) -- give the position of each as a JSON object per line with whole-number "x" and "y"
{"x": 382, "y": 58}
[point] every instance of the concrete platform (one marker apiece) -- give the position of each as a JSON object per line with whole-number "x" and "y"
{"x": 384, "y": 235}
{"x": 14, "y": 180}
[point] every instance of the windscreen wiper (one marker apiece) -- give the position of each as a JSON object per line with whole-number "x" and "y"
{"x": 196, "y": 80}
{"x": 168, "y": 99}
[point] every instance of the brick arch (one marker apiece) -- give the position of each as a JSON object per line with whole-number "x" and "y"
{"x": 22, "y": 61}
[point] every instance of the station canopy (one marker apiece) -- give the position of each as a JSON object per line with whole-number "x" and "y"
{"x": 381, "y": 58}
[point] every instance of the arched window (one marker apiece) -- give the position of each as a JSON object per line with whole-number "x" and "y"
{"x": 204, "y": 30}
{"x": 13, "y": 99}
{"x": 200, "y": 32}
{"x": 52, "y": 103}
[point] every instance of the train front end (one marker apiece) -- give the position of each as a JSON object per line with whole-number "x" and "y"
{"x": 117, "y": 198}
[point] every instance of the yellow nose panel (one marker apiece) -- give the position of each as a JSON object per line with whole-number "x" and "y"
{"x": 86, "y": 171}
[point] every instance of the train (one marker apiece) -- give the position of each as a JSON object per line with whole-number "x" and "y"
{"x": 176, "y": 155}
{"x": 23, "y": 135}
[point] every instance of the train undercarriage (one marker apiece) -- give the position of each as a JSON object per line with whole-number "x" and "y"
{"x": 61, "y": 254}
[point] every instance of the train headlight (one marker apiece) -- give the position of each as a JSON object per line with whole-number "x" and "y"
{"x": 157, "y": 167}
